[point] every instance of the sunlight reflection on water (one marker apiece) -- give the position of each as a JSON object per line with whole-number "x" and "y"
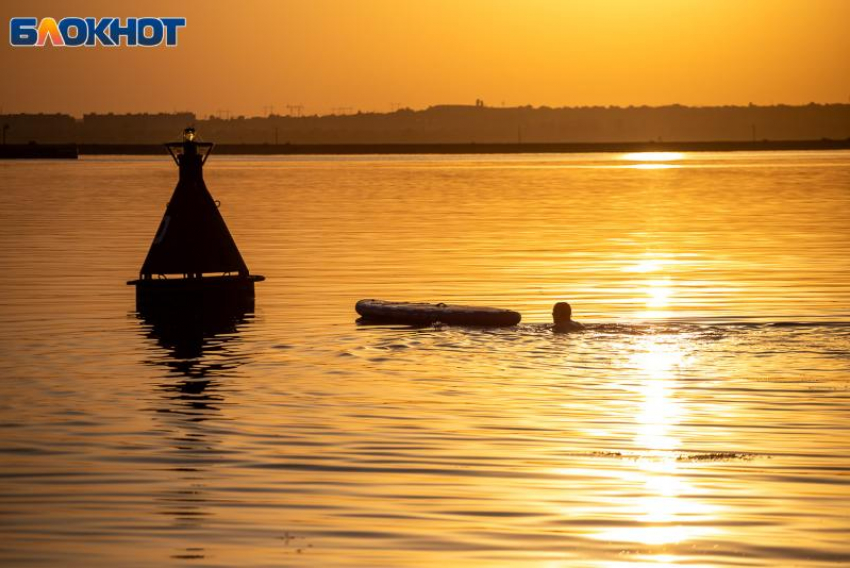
{"x": 653, "y": 160}
{"x": 653, "y": 156}
{"x": 668, "y": 504}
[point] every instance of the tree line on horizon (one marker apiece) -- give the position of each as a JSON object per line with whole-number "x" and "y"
{"x": 449, "y": 124}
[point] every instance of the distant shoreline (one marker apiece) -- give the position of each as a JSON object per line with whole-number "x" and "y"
{"x": 485, "y": 148}
{"x": 72, "y": 151}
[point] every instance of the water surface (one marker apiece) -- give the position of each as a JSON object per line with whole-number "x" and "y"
{"x": 701, "y": 420}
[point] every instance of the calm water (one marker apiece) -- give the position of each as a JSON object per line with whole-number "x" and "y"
{"x": 702, "y": 420}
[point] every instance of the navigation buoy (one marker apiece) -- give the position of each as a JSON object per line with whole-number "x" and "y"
{"x": 193, "y": 257}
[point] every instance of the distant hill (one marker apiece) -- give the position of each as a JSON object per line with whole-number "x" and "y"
{"x": 451, "y": 124}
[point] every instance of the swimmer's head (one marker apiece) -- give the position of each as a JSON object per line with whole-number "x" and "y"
{"x": 562, "y": 312}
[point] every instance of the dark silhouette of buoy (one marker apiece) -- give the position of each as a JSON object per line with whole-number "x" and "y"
{"x": 193, "y": 260}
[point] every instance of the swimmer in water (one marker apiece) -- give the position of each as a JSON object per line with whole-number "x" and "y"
{"x": 562, "y": 314}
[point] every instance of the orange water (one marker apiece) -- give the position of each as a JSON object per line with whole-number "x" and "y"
{"x": 702, "y": 419}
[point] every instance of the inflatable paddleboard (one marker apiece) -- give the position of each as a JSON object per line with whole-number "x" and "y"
{"x": 413, "y": 313}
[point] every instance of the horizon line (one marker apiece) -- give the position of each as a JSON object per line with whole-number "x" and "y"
{"x": 227, "y": 115}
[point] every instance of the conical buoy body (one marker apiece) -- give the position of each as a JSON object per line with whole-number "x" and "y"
{"x": 193, "y": 257}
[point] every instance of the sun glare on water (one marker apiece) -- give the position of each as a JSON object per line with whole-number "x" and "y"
{"x": 653, "y": 156}
{"x": 666, "y": 508}
{"x": 649, "y": 265}
{"x": 657, "y": 293}
{"x": 652, "y": 160}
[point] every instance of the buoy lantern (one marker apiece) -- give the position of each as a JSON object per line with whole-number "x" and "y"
{"x": 193, "y": 256}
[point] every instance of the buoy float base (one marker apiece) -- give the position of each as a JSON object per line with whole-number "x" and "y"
{"x": 207, "y": 291}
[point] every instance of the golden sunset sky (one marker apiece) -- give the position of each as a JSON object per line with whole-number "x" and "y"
{"x": 372, "y": 55}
